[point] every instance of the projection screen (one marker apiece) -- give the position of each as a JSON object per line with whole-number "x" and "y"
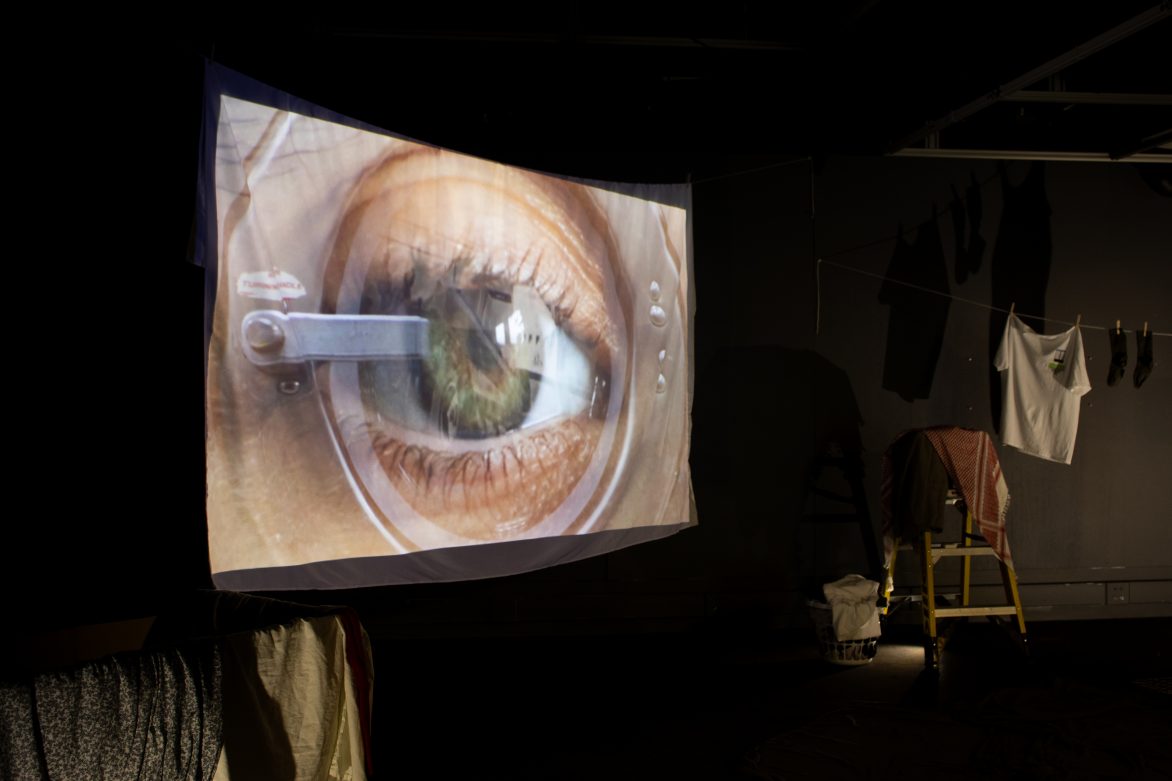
{"x": 424, "y": 365}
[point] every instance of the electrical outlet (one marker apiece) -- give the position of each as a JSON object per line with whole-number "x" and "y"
{"x": 1118, "y": 593}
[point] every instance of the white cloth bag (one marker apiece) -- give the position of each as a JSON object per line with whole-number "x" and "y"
{"x": 852, "y": 601}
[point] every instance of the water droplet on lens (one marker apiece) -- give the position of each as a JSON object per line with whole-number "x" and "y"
{"x": 662, "y": 355}
{"x": 658, "y": 316}
{"x": 661, "y": 384}
{"x": 655, "y": 291}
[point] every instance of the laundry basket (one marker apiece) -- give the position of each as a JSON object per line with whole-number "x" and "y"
{"x": 844, "y": 652}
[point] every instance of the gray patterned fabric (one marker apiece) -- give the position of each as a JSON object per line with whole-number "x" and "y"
{"x": 150, "y": 715}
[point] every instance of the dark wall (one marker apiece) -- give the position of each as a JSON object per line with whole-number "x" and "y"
{"x": 1061, "y": 240}
{"x": 105, "y": 509}
{"x": 110, "y": 445}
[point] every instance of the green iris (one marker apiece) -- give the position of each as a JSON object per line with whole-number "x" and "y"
{"x": 471, "y": 389}
{"x": 464, "y": 386}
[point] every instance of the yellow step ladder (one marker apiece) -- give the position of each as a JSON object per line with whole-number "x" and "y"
{"x": 930, "y": 554}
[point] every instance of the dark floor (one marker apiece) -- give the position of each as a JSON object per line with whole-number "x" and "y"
{"x": 1090, "y": 700}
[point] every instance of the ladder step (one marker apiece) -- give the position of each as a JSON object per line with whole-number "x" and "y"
{"x": 832, "y": 518}
{"x": 997, "y": 610}
{"x": 975, "y": 550}
{"x": 825, "y": 493}
{"x": 833, "y": 496}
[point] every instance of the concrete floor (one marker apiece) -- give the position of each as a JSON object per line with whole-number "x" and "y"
{"x": 727, "y": 703}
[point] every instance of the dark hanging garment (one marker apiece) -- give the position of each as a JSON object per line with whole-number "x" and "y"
{"x": 975, "y": 250}
{"x": 1021, "y": 259}
{"x": 1143, "y": 356}
{"x": 915, "y": 328}
{"x": 968, "y": 254}
{"x": 913, "y": 489}
{"x": 1020, "y": 267}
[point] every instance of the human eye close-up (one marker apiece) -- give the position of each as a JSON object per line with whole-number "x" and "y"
{"x": 423, "y": 364}
{"x": 487, "y": 434}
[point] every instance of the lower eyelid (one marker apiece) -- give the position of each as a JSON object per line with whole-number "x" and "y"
{"x": 519, "y": 481}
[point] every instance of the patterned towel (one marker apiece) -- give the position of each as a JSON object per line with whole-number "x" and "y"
{"x": 971, "y": 461}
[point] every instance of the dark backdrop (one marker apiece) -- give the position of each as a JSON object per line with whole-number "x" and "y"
{"x": 106, "y": 475}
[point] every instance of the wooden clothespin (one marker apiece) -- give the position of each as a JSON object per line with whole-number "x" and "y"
{"x": 1078, "y": 320}
{"x": 1012, "y": 306}
{"x": 1145, "y": 327}
{"x": 1118, "y": 328}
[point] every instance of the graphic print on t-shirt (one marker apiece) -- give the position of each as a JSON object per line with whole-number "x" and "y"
{"x": 1058, "y": 362}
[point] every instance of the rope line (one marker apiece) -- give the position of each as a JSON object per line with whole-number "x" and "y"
{"x": 961, "y": 299}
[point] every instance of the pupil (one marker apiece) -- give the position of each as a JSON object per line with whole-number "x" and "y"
{"x": 482, "y": 351}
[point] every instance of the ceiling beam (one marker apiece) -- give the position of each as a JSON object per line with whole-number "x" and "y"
{"x": 1020, "y": 154}
{"x": 1146, "y": 144}
{"x": 1061, "y": 62}
{"x": 558, "y": 39}
{"x": 1089, "y": 98}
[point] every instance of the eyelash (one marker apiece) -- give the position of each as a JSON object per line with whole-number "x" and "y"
{"x": 426, "y": 469}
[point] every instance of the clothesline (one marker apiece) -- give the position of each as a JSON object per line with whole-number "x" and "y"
{"x": 981, "y": 184}
{"x": 818, "y": 315}
{"x": 745, "y": 172}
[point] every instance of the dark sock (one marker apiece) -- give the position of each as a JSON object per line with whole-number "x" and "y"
{"x": 1118, "y": 355}
{"x": 1143, "y": 357}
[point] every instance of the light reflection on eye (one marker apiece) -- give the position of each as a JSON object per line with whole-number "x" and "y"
{"x": 495, "y": 428}
{"x": 497, "y": 362}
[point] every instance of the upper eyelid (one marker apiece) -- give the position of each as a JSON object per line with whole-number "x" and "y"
{"x": 556, "y": 272}
{"x": 569, "y": 257}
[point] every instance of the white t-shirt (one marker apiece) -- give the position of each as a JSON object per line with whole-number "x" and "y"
{"x": 1043, "y": 379}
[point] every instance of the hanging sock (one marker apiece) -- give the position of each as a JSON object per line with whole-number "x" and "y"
{"x": 1118, "y": 355}
{"x": 1143, "y": 357}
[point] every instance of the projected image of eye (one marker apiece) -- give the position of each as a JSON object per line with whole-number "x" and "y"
{"x": 495, "y": 430}
{"x": 415, "y": 355}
